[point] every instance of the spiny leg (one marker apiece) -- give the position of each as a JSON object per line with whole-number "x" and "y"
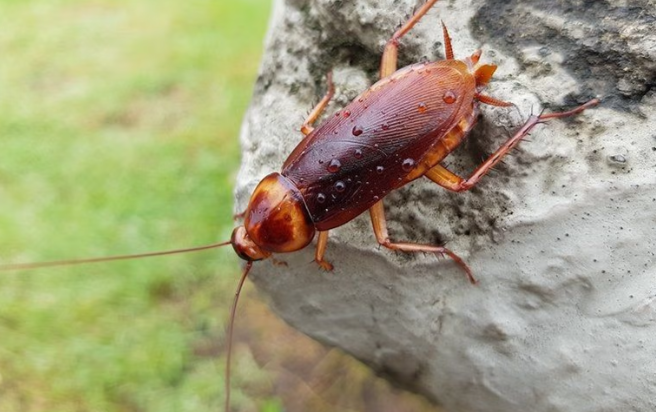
{"x": 391, "y": 52}
{"x": 379, "y": 222}
{"x": 447, "y": 179}
{"x": 322, "y": 241}
{"x": 307, "y": 128}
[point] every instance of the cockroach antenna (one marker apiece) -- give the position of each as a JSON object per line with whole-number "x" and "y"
{"x": 231, "y": 326}
{"x": 71, "y": 262}
{"x": 233, "y": 309}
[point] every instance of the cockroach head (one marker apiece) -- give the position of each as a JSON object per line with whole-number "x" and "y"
{"x": 276, "y": 221}
{"x": 245, "y": 247}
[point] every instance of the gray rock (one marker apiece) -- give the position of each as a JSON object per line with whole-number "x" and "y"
{"x": 562, "y": 237}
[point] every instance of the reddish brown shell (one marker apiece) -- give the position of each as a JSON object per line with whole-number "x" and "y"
{"x": 391, "y": 134}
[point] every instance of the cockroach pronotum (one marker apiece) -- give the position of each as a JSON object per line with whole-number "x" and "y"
{"x": 398, "y": 130}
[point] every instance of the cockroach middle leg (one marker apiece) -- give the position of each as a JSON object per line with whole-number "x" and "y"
{"x": 322, "y": 241}
{"x": 379, "y": 222}
{"x": 307, "y": 128}
{"x": 391, "y": 52}
{"x": 483, "y": 98}
{"x": 449, "y": 180}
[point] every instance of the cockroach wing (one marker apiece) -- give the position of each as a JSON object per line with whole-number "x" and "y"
{"x": 388, "y": 136}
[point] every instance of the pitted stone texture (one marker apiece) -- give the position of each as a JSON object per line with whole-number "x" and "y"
{"x": 562, "y": 237}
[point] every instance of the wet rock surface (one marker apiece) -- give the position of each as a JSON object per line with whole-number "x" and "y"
{"x": 561, "y": 236}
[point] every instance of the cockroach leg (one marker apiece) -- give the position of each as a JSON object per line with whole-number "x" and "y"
{"x": 449, "y": 180}
{"x": 322, "y": 241}
{"x": 572, "y": 112}
{"x": 492, "y": 101}
{"x": 377, "y": 212}
{"x": 391, "y": 52}
{"x": 445, "y": 178}
{"x": 307, "y": 128}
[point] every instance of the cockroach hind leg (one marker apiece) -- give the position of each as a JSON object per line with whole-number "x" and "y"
{"x": 438, "y": 251}
{"x": 555, "y": 115}
{"x": 453, "y": 182}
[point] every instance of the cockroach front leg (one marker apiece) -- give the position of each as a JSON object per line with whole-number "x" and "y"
{"x": 322, "y": 241}
{"x": 379, "y": 222}
{"x": 307, "y": 128}
{"x": 449, "y": 180}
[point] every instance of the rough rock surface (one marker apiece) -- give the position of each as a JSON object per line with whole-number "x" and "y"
{"x": 562, "y": 237}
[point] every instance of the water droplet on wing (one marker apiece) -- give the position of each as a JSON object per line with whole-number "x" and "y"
{"x": 449, "y": 97}
{"x": 408, "y": 164}
{"x": 334, "y": 166}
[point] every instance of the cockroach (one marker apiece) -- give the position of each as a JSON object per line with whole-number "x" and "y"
{"x": 398, "y": 130}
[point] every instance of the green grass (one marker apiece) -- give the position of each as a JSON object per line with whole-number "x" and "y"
{"x": 118, "y": 134}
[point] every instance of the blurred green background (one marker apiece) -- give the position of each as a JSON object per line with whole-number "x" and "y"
{"x": 119, "y": 126}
